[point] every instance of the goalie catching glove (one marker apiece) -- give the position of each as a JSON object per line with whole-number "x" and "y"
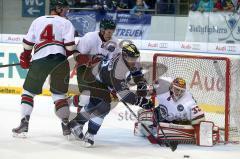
{"x": 144, "y": 103}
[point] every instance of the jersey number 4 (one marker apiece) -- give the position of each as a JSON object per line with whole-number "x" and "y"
{"x": 47, "y": 33}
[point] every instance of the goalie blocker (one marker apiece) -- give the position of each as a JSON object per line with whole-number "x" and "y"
{"x": 203, "y": 134}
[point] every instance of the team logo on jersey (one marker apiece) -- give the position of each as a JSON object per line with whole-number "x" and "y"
{"x": 163, "y": 111}
{"x": 180, "y": 108}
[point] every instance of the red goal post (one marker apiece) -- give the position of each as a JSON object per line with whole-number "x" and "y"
{"x": 209, "y": 80}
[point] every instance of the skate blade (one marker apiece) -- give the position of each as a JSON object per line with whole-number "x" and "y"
{"x": 87, "y": 145}
{"x": 20, "y": 135}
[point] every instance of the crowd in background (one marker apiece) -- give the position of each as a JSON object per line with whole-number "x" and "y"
{"x": 216, "y": 5}
{"x": 139, "y": 7}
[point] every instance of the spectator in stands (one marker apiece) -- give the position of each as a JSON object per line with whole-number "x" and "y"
{"x": 218, "y": 5}
{"x": 236, "y": 4}
{"x": 109, "y": 5}
{"x": 84, "y": 3}
{"x": 139, "y": 7}
{"x": 228, "y": 6}
{"x": 125, "y": 4}
{"x": 205, "y": 6}
{"x": 122, "y": 5}
{"x": 166, "y": 6}
{"x": 151, "y": 3}
{"x": 194, "y": 6}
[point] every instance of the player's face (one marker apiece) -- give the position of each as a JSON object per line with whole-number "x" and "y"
{"x": 177, "y": 92}
{"x": 108, "y": 33}
{"x": 132, "y": 61}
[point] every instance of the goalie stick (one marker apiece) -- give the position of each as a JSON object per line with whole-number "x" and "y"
{"x": 151, "y": 137}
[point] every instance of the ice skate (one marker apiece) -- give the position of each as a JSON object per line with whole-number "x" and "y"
{"x": 88, "y": 140}
{"x": 21, "y": 131}
{"x": 66, "y": 129}
{"x": 76, "y": 129}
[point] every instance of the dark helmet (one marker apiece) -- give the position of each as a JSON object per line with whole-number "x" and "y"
{"x": 107, "y": 24}
{"x": 130, "y": 50}
{"x": 59, "y": 3}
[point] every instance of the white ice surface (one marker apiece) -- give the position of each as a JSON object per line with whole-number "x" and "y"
{"x": 115, "y": 139}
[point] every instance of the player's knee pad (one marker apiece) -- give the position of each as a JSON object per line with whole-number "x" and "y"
{"x": 84, "y": 98}
{"x": 102, "y": 109}
{"x": 98, "y": 106}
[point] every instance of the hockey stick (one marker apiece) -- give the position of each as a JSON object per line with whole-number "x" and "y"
{"x": 9, "y": 65}
{"x": 151, "y": 137}
{"x": 172, "y": 145}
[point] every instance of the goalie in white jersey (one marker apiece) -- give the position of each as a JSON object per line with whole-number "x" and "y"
{"x": 52, "y": 38}
{"x": 178, "y": 105}
{"x": 177, "y": 114}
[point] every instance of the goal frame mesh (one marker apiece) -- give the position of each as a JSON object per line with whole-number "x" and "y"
{"x": 226, "y": 76}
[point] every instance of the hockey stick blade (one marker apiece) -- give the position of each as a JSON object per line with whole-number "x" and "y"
{"x": 152, "y": 139}
{"x": 173, "y": 146}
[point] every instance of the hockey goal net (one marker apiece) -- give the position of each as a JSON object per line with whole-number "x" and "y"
{"x": 209, "y": 80}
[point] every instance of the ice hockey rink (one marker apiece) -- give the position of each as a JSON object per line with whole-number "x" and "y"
{"x": 114, "y": 140}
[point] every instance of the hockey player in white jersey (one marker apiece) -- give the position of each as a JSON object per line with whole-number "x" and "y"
{"x": 108, "y": 75}
{"x": 177, "y": 112}
{"x": 51, "y": 38}
{"x": 93, "y": 47}
{"x": 178, "y": 105}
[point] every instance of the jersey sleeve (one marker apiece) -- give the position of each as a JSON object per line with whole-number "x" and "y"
{"x": 84, "y": 44}
{"x": 30, "y": 39}
{"x": 68, "y": 33}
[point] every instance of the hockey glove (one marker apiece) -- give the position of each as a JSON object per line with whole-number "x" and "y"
{"x": 25, "y": 59}
{"x": 95, "y": 59}
{"x": 82, "y": 59}
{"x": 144, "y": 103}
{"x": 142, "y": 89}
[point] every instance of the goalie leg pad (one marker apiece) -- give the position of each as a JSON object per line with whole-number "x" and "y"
{"x": 206, "y": 133}
{"x": 183, "y": 134}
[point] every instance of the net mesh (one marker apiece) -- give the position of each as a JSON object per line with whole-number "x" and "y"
{"x": 208, "y": 79}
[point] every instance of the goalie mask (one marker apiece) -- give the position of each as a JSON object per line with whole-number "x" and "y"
{"x": 177, "y": 88}
{"x": 131, "y": 56}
